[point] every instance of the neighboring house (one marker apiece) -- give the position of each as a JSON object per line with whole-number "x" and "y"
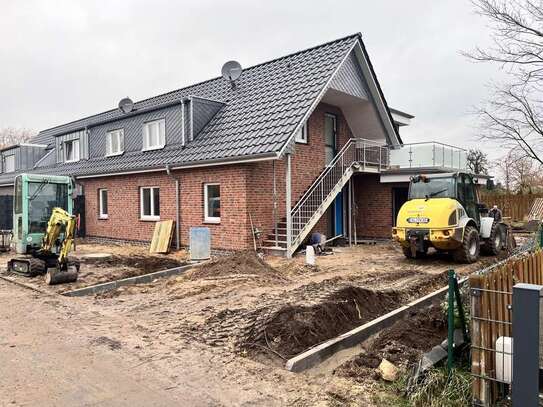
{"x": 283, "y": 149}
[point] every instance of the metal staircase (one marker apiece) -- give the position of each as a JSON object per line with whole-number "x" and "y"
{"x": 357, "y": 155}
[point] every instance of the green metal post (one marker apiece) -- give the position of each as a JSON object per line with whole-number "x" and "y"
{"x": 460, "y": 308}
{"x": 450, "y": 321}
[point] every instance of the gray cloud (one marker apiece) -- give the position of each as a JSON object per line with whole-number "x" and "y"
{"x": 67, "y": 59}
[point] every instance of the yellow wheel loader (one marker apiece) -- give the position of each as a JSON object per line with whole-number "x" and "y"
{"x": 443, "y": 211}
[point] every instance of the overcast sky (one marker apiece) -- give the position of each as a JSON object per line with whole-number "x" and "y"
{"x": 62, "y": 60}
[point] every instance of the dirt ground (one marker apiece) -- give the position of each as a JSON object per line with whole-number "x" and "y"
{"x": 251, "y": 315}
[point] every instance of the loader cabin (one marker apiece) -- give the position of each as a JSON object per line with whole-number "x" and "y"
{"x": 303, "y": 143}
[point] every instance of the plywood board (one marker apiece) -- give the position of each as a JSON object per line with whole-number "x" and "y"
{"x": 162, "y": 237}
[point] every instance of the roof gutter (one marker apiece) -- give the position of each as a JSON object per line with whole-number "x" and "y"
{"x": 207, "y": 163}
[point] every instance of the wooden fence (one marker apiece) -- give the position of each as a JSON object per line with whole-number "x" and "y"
{"x": 491, "y": 318}
{"x": 517, "y": 207}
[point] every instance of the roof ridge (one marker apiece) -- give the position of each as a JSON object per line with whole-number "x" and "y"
{"x": 353, "y": 36}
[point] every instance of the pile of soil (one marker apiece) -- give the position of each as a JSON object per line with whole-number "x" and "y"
{"x": 295, "y": 328}
{"x": 240, "y": 263}
{"x": 147, "y": 264}
{"x": 402, "y": 344}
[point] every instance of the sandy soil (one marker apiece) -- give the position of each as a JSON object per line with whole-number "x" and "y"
{"x": 239, "y": 318}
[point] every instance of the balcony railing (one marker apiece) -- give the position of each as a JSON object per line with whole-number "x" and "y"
{"x": 428, "y": 155}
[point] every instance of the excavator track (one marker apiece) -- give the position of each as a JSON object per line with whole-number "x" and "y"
{"x": 26, "y": 266}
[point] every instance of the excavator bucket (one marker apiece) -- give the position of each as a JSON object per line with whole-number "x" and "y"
{"x": 58, "y": 276}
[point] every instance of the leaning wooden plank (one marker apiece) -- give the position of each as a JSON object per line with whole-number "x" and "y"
{"x": 156, "y": 236}
{"x": 162, "y": 237}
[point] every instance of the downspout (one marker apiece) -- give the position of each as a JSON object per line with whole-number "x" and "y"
{"x": 288, "y": 199}
{"x": 177, "y": 216}
{"x": 275, "y": 206}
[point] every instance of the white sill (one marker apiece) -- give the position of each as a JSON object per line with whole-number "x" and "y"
{"x": 103, "y": 217}
{"x": 115, "y": 155}
{"x": 71, "y": 161}
{"x": 300, "y": 141}
{"x": 150, "y": 218}
{"x": 153, "y": 148}
{"x": 212, "y": 220}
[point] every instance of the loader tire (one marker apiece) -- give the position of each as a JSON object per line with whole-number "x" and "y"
{"x": 468, "y": 252}
{"x": 493, "y": 245}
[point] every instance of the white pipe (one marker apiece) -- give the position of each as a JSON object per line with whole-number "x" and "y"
{"x": 288, "y": 201}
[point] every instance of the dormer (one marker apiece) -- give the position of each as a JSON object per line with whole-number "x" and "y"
{"x": 72, "y": 147}
{"x": 21, "y": 157}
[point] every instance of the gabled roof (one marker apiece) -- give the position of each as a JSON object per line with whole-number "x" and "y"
{"x": 259, "y": 118}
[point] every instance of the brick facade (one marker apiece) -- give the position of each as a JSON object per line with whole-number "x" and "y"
{"x": 246, "y": 194}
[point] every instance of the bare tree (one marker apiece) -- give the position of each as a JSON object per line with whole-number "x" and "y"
{"x": 513, "y": 116}
{"x": 520, "y": 173}
{"x": 477, "y": 161}
{"x": 10, "y": 136}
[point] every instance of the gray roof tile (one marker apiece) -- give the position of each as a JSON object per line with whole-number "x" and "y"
{"x": 260, "y": 115}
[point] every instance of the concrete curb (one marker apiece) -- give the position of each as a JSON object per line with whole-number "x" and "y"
{"x": 112, "y": 285}
{"x": 27, "y": 286}
{"x": 316, "y": 355}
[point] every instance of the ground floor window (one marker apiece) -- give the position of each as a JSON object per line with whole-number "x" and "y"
{"x": 150, "y": 203}
{"x": 102, "y": 197}
{"x": 212, "y": 203}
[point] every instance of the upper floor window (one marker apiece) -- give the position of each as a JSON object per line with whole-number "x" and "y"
{"x": 115, "y": 142}
{"x": 71, "y": 151}
{"x": 301, "y": 136}
{"x": 154, "y": 134}
{"x": 9, "y": 163}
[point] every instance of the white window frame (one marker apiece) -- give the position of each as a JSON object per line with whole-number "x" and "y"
{"x": 101, "y": 213}
{"x": 161, "y": 129}
{"x": 301, "y": 135}
{"x": 119, "y": 134}
{"x": 76, "y": 151}
{"x": 151, "y": 204}
{"x": 11, "y": 157}
{"x": 210, "y": 219}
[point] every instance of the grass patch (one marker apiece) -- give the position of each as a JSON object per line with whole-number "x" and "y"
{"x": 435, "y": 389}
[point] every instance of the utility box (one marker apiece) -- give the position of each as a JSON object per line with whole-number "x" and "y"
{"x": 200, "y": 243}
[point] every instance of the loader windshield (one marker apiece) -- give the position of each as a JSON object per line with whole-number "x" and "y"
{"x": 43, "y": 197}
{"x": 426, "y": 188}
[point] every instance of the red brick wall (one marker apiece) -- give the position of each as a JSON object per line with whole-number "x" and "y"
{"x": 307, "y": 163}
{"x": 373, "y": 206}
{"x": 373, "y": 202}
{"x": 246, "y": 190}
{"x": 124, "y": 205}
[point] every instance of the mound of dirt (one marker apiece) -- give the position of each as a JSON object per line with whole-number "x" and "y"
{"x": 295, "y": 328}
{"x": 240, "y": 263}
{"x": 402, "y": 344}
{"x": 147, "y": 264}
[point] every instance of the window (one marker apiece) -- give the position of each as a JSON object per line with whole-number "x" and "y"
{"x": 115, "y": 142}
{"x": 301, "y": 136}
{"x": 212, "y": 203}
{"x": 71, "y": 151}
{"x": 154, "y": 134}
{"x": 9, "y": 163}
{"x": 150, "y": 203}
{"x": 102, "y": 204}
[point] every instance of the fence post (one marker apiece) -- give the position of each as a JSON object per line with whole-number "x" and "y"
{"x": 526, "y": 314}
